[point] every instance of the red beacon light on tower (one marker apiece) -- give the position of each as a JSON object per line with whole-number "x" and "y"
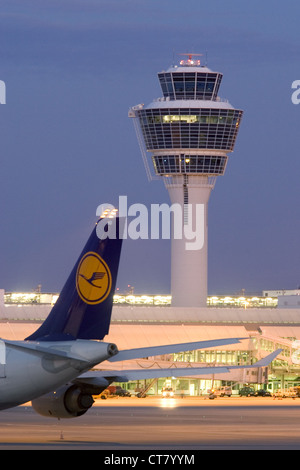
{"x": 190, "y": 61}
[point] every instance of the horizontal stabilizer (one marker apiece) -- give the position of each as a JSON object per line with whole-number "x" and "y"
{"x": 262, "y": 363}
{"x": 96, "y": 377}
{"x": 268, "y": 359}
{"x": 138, "y": 353}
{"x": 140, "y": 374}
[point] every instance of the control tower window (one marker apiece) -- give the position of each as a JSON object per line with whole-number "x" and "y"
{"x": 187, "y": 164}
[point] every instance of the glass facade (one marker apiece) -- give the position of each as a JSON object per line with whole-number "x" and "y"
{"x": 185, "y": 128}
{"x": 190, "y": 85}
{"x": 215, "y": 357}
{"x": 209, "y": 165}
{"x": 282, "y": 380}
{"x": 190, "y": 129}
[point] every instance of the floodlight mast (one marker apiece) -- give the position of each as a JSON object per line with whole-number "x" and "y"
{"x": 188, "y": 133}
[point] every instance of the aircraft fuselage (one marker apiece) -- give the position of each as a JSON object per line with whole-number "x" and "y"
{"x": 31, "y": 369}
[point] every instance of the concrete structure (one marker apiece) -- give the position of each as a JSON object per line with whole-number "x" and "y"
{"x": 189, "y": 133}
{"x": 289, "y": 301}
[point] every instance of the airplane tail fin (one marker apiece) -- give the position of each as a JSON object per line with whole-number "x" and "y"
{"x": 83, "y": 309}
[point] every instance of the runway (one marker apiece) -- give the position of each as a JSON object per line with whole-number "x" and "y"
{"x": 154, "y": 423}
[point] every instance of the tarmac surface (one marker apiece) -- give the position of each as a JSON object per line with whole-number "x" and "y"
{"x": 154, "y": 423}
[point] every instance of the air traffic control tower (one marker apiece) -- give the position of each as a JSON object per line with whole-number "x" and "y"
{"x": 188, "y": 134}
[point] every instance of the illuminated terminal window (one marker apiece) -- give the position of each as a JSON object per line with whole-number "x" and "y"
{"x": 151, "y": 300}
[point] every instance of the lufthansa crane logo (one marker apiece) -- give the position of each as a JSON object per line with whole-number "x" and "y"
{"x": 93, "y": 279}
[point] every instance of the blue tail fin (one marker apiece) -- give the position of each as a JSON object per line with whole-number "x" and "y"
{"x": 83, "y": 309}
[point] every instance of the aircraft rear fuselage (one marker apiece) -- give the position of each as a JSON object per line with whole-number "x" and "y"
{"x": 30, "y": 369}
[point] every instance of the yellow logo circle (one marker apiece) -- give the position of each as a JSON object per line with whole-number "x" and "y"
{"x": 93, "y": 279}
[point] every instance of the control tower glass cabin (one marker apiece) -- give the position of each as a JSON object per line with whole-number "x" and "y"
{"x": 188, "y": 133}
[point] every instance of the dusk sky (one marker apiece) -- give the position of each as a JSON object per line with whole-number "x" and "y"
{"x": 72, "y": 70}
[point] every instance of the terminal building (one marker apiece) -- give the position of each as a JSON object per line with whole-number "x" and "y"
{"x": 139, "y": 321}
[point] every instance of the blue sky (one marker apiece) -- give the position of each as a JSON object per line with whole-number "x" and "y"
{"x": 73, "y": 68}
